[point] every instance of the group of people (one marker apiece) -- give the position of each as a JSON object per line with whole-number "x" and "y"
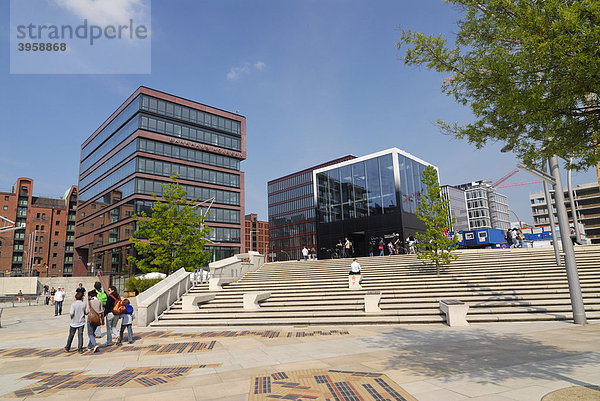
{"x": 100, "y": 308}
{"x": 394, "y": 247}
{"x": 514, "y": 238}
{"x": 344, "y": 249}
{"x": 306, "y": 252}
{"x": 55, "y": 297}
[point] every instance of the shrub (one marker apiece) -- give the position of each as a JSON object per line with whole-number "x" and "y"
{"x": 139, "y": 284}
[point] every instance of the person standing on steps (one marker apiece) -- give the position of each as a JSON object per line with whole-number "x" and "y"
{"x": 305, "y": 253}
{"x": 347, "y": 248}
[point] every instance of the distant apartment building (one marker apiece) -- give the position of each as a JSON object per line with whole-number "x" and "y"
{"x": 151, "y": 136}
{"x": 43, "y": 242}
{"x": 256, "y": 234}
{"x": 458, "y": 206}
{"x": 587, "y": 207}
{"x": 486, "y": 208}
{"x": 292, "y": 212}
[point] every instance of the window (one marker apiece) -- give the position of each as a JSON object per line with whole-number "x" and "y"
{"x": 54, "y": 266}
{"x": 58, "y": 212}
{"x": 57, "y": 223}
{"x": 43, "y": 216}
{"x": 41, "y": 237}
{"x": 56, "y": 233}
{"x": 37, "y": 216}
{"x": 37, "y": 227}
{"x": 54, "y": 255}
{"x": 55, "y": 244}
{"x": 6, "y": 198}
{"x": 42, "y": 228}
{"x": 5, "y": 207}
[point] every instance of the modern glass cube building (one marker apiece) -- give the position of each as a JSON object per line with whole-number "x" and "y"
{"x": 150, "y": 136}
{"x": 367, "y": 197}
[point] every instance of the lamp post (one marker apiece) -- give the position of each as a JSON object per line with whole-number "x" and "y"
{"x": 565, "y": 236}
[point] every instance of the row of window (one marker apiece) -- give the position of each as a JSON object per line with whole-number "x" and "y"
{"x": 293, "y": 242}
{"x": 174, "y": 110}
{"x": 197, "y": 174}
{"x": 291, "y": 217}
{"x": 291, "y": 194}
{"x": 296, "y": 204}
{"x": 192, "y": 155}
{"x": 149, "y": 187}
{"x": 225, "y": 234}
{"x": 122, "y": 172}
{"x": 107, "y": 165}
{"x": 110, "y": 129}
{"x": 472, "y": 194}
{"x": 478, "y": 213}
{"x": 292, "y": 181}
{"x": 178, "y": 130}
{"x": 294, "y": 229}
{"x": 120, "y": 136}
{"x": 215, "y": 215}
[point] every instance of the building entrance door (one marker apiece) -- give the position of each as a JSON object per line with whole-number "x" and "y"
{"x": 360, "y": 244}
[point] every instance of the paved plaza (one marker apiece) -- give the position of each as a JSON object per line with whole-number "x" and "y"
{"x": 494, "y": 362}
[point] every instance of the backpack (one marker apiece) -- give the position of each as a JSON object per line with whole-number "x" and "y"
{"x": 101, "y": 295}
{"x": 119, "y": 308}
{"x": 129, "y": 309}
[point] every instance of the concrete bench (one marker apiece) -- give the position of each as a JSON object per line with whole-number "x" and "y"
{"x": 456, "y": 312}
{"x": 354, "y": 281}
{"x": 190, "y": 302}
{"x": 372, "y": 299}
{"x": 251, "y": 299}
{"x": 216, "y": 283}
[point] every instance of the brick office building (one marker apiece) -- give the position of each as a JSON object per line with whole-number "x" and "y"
{"x": 45, "y": 246}
{"x": 257, "y": 234}
{"x": 151, "y": 135}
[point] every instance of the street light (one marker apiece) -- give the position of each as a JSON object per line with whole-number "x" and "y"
{"x": 565, "y": 234}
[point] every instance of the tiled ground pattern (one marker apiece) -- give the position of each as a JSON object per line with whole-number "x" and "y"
{"x": 328, "y": 385}
{"x": 172, "y": 348}
{"x": 243, "y": 333}
{"x": 50, "y": 383}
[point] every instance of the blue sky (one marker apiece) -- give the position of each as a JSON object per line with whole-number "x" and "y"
{"x": 315, "y": 79}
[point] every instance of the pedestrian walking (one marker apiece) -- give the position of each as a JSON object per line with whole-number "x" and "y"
{"x": 410, "y": 240}
{"x": 127, "y": 322}
{"x": 313, "y": 253}
{"x": 47, "y": 294}
{"x": 52, "y": 293}
{"x": 20, "y": 296}
{"x": 305, "y": 253}
{"x": 381, "y": 247}
{"x": 77, "y": 312}
{"x": 102, "y": 297}
{"x": 59, "y": 297}
{"x": 80, "y": 289}
{"x": 112, "y": 319}
{"x": 347, "y": 248}
{"x": 95, "y": 317}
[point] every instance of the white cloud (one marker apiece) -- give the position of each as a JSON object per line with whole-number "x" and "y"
{"x": 105, "y": 12}
{"x": 237, "y": 72}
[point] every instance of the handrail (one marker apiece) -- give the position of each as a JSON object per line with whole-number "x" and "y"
{"x": 159, "y": 298}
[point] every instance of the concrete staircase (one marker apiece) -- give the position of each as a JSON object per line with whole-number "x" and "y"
{"x": 498, "y": 285}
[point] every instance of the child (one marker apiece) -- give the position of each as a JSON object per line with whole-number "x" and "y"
{"x": 128, "y": 317}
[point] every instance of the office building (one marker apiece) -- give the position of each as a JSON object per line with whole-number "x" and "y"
{"x": 292, "y": 213}
{"x": 36, "y": 233}
{"x": 587, "y": 207}
{"x": 367, "y": 198}
{"x": 458, "y": 206}
{"x": 149, "y": 137}
{"x": 486, "y": 208}
{"x": 256, "y": 234}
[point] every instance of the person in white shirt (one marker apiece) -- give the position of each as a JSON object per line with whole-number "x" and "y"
{"x": 354, "y": 267}
{"x": 305, "y": 254}
{"x": 59, "y": 297}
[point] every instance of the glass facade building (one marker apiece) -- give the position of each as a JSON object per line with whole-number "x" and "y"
{"x": 366, "y": 198}
{"x": 458, "y": 207}
{"x": 292, "y": 213}
{"x": 149, "y": 138}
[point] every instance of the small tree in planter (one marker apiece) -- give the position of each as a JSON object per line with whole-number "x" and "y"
{"x": 434, "y": 244}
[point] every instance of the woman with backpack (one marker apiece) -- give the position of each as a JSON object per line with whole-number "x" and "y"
{"x": 112, "y": 319}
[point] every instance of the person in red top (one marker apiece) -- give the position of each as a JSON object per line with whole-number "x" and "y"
{"x": 20, "y": 296}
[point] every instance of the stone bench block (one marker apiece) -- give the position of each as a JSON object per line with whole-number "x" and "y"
{"x": 354, "y": 281}
{"x": 216, "y": 283}
{"x": 372, "y": 299}
{"x": 251, "y": 299}
{"x": 456, "y": 312}
{"x": 190, "y": 302}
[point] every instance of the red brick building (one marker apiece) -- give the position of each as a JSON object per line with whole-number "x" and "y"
{"x": 44, "y": 246}
{"x": 256, "y": 234}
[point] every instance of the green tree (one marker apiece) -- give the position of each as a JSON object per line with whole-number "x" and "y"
{"x": 434, "y": 244}
{"x": 173, "y": 236}
{"x": 530, "y": 71}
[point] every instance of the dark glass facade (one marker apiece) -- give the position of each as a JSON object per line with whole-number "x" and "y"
{"x": 150, "y": 137}
{"x": 292, "y": 213}
{"x": 366, "y": 198}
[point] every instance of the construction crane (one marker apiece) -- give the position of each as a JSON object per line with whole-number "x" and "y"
{"x": 498, "y": 183}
